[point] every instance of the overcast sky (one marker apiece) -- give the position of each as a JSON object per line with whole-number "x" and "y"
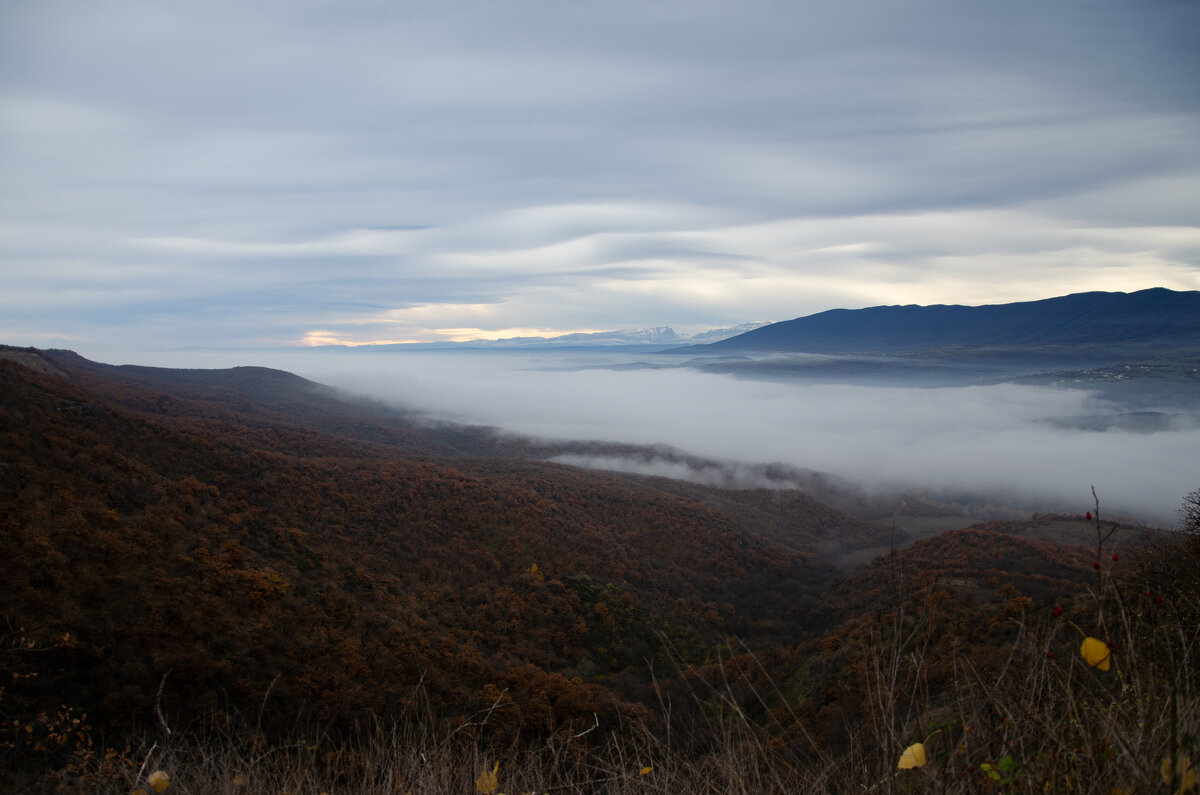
{"x": 231, "y": 174}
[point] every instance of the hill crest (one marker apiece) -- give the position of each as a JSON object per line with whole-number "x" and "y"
{"x": 1156, "y": 318}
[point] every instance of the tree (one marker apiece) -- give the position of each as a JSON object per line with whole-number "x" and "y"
{"x": 1189, "y": 512}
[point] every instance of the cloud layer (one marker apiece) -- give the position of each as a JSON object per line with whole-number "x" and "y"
{"x": 990, "y": 440}
{"x": 231, "y": 175}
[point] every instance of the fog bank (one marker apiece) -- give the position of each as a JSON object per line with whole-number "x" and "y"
{"x": 991, "y": 439}
{"x": 978, "y": 438}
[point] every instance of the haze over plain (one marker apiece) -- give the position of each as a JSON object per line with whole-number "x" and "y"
{"x": 990, "y": 441}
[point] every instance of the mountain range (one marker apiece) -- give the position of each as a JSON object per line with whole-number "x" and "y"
{"x": 655, "y": 336}
{"x": 1151, "y": 319}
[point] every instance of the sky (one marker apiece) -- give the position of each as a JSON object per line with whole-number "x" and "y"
{"x": 237, "y": 176}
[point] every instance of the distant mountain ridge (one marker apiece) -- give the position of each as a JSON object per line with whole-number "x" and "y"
{"x": 1153, "y": 318}
{"x": 658, "y": 335}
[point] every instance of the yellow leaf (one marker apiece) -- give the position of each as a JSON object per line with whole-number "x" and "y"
{"x": 913, "y": 756}
{"x": 645, "y": 771}
{"x": 1096, "y": 653}
{"x": 159, "y": 780}
{"x": 1185, "y": 773}
{"x": 488, "y": 782}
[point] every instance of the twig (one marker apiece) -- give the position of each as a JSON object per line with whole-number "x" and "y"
{"x": 263, "y": 706}
{"x": 589, "y": 731}
{"x": 158, "y": 702}
{"x": 145, "y": 762}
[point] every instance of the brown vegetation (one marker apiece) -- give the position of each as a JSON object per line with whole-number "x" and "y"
{"x": 237, "y": 578}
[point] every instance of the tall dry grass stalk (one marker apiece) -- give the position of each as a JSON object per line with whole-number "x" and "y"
{"x": 1039, "y": 716}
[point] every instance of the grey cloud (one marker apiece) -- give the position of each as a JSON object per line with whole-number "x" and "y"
{"x": 629, "y": 152}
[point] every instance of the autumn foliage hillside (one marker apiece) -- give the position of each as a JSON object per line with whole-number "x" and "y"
{"x": 248, "y": 550}
{"x": 241, "y": 556}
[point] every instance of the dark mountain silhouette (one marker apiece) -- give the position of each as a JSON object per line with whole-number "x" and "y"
{"x": 1152, "y": 319}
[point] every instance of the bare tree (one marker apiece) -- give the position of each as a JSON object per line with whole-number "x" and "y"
{"x": 1189, "y": 513}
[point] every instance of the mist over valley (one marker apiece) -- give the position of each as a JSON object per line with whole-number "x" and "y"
{"x": 971, "y": 427}
{"x": 1006, "y": 438}
{"x": 1033, "y": 403}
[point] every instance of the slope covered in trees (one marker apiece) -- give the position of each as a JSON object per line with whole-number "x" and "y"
{"x": 244, "y": 548}
{"x": 164, "y": 534}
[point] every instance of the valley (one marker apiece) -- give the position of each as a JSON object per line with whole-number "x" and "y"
{"x": 253, "y": 548}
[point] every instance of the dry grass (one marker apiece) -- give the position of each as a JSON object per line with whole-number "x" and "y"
{"x": 1046, "y": 720}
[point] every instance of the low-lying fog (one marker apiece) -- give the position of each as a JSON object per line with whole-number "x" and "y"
{"x": 977, "y": 438}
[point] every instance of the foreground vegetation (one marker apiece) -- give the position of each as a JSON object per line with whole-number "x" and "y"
{"x": 1094, "y": 695}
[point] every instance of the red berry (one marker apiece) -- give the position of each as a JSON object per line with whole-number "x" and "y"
{"x": 1116, "y": 557}
{"x": 1149, "y": 592}
{"x": 1050, "y": 655}
{"x": 1158, "y": 600}
{"x": 1096, "y": 565}
{"x": 1089, "y": 516}
{"x": 1058, "y": 611}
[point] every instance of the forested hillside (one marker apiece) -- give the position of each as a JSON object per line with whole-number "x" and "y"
{"x": 248, "y": 550}
{"x": 165, "y": 536}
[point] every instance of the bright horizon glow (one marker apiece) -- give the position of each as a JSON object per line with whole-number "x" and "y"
{"x": 319, "y": 338}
